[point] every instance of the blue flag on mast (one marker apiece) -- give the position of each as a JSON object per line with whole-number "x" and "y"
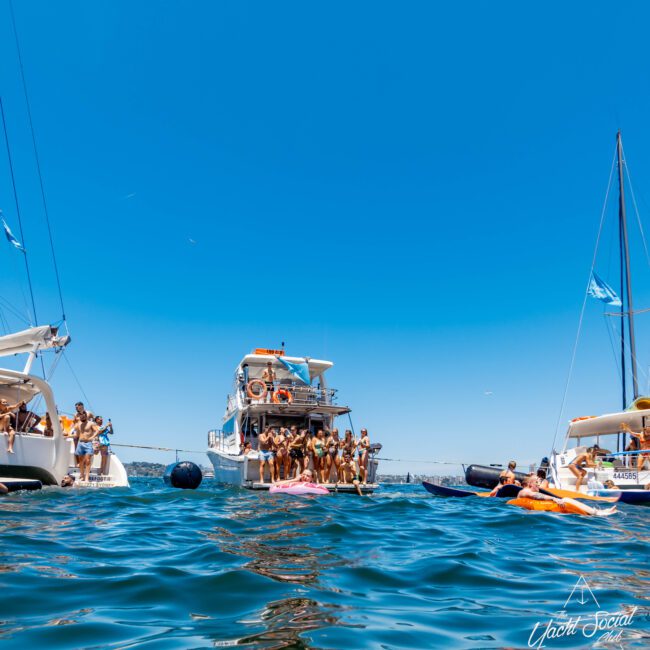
{"x": 299, "y": 370}
{"x": 10, "y": 237}
{"x": 602, "y": 291}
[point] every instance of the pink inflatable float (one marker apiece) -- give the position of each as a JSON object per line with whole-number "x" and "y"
{"x": 298, "y": 488}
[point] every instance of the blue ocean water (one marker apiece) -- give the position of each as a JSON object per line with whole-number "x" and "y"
{"x": 154, "y": 567}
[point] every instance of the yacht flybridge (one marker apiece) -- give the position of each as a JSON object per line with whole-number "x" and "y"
{"x": 39, "y": 454}
{"x": 301, "y": 399}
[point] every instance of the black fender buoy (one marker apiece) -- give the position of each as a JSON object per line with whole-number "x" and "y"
{"x": 482, "y": 476}
{"x": 184, "y": 475}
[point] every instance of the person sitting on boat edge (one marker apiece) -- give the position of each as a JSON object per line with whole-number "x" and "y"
{"x": 643, "y": 437}
{"x": 266, "y": 453}
{"x": 5, "y": 422}
{"x": 349, "y": 471}
{"x": 25, "y": 421}
{"x": 580, "y": 464}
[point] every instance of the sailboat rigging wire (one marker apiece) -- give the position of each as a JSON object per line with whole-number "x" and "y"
{"x": 609, "y": 326}
{"x": 627, "y": 347}
{"x": 37, "y": 159}
{"x": 9, "y": 307}
{"x": 636, "y": 211}
{"x": 83, "y": 392}
{"x": 20, "y": 221}
{"x": 584, "y": 301}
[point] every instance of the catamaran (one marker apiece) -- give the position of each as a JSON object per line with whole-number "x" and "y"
{"x": 624, "y": 472}
{"x": 299, "y": 396}
{"x": 44, "y": 452}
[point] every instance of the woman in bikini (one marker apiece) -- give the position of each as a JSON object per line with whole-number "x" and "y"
{"x": 363, "y": 447}
{"x": 281, "y": 453}
{"x": 318, "y": 456}
{"x": 348, "y": 444}
{"x": 332, "y": 460}
{"x": 580, "y": 465}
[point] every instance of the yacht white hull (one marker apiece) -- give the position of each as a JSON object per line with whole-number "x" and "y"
{"x": 228, "y": 469}
{"x": 48, "y": 460}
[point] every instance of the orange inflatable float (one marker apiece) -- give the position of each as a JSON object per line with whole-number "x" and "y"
{"x": 570, "y": 506}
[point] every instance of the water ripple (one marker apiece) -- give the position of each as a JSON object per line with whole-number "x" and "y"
{"x": 151, "y": 567}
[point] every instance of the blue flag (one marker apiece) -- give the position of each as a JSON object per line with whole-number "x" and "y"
{"x": 600, "y": 289}
{"x": 299, "y": 370}
{"x": 10, "y": 237}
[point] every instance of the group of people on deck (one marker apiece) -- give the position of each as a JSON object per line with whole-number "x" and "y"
{"x": 90, "y": 437}
{"x": 88, "y": 431}
{"x": 288, "y": 452}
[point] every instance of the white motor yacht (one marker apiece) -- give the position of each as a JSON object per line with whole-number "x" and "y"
{"x": 301, "y": 399}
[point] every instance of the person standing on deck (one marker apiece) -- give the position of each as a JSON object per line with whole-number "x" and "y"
{"x": 363, "y": 448}
{"x": 104, "y": 443}
{"x": 269, "y": 377}
{"x": 332, "y": 459}
{"x": 297, "y": 450}
{"x": 88, "y": 431}
{"x": 266, "y": 453}
{"x": 643, "y": 437}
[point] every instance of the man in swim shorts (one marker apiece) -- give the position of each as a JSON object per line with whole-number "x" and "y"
{"x": 268, "y": 377}
{"x": 87, "y": 431}
{"x": 643, "y": 437}
{"x": 266, "y": 454}
{"x": 5, "y": 422}
{"x": 349, "y": 471}
{"x": 363, "y": 447}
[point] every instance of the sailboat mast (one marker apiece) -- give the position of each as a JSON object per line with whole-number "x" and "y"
{"x": 628, "y": 276}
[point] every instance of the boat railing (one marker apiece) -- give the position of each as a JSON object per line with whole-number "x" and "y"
{"x": 216, "y": 439}
{"x": 303, "y": 395}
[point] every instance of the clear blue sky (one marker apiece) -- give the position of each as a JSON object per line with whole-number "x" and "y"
{"x": 409, "y": 189}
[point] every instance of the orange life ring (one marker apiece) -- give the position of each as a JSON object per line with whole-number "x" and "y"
{"x": 281, "y": 392}
{"x": 584, "y": 417}
{"x": 251, "y": 393}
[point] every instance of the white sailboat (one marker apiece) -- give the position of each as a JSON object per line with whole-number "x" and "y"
{"x": 624, "y": 473}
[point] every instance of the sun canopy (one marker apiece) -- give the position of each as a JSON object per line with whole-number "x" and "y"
{"x": 32, "y": 340}
{"x": 608, "y": 424}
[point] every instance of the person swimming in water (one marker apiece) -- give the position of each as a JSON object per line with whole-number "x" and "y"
{"x": 530, "y": 490}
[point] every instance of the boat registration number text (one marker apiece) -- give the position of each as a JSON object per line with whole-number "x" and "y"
{"x": 629, "y": 476}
